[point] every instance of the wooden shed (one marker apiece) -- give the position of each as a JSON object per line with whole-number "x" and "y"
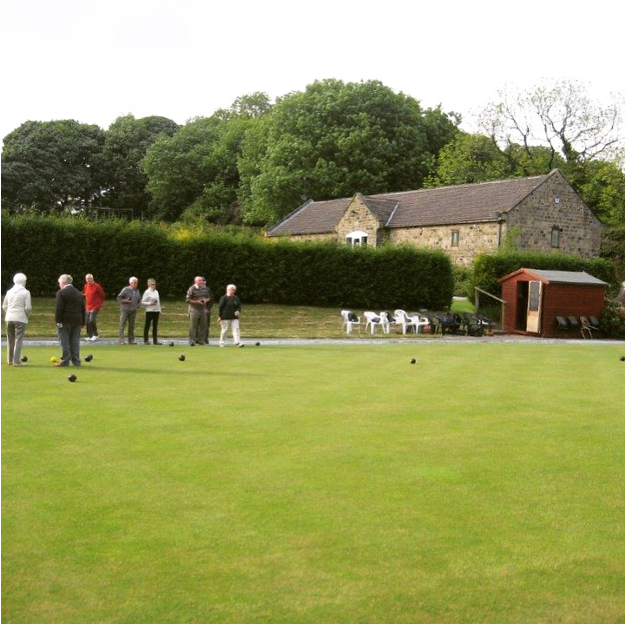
{"x": 534, "y": 298}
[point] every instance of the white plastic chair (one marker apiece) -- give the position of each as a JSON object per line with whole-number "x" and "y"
{"x": 374, "y": 319}
{"x": 347, "y": 322}
{"x": 420, "y": 321}
{"x": 400, "y": 317}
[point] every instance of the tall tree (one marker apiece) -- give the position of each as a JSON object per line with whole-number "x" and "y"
{"x": 335, "y": 139}
{"x": 51, "y": 166}
{"x": 126, "y": 143}
{"x": 472, "y": 158}
{"x": 194, "y": 174}
{"x": 560, "y": 116}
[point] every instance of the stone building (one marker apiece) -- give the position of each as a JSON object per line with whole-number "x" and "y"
{"x": 539, "y": 213}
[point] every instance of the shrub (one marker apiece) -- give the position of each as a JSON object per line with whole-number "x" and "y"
{"x": 612, "y": 320}
{"x": 279, "y": 272}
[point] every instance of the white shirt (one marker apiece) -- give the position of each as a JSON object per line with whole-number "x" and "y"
{"x": 17, "y": 304}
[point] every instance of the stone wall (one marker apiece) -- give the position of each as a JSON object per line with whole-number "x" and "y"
{"x": 358, "y": 218}
{"x": 555, "y": 203}
{"x": 473, "y": 238}
{"x": 302, "y": 238}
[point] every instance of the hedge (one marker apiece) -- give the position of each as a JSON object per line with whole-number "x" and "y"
{"x": 323, "y": 274}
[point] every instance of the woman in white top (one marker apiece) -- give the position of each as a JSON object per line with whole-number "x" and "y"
{"x": 17, "y": 306}
{"x": 152, "y": 303}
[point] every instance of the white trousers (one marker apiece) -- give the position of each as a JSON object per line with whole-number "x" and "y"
{"x": 234, "y": 328}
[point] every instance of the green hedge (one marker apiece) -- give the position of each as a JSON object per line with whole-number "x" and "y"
{"x": 321, "y": 274}
{"x": 489, "y": 267}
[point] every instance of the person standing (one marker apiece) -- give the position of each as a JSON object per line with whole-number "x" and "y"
{"x": 129, "y": 300}
{"x": 94, "y": 299}
{"x": 17, "y": 306}
{"x": 209, "y": 306}
{"x": 229, "y": 311}
{"x": 198, "y": 296}
{"x": 69, "y": 314}
{"x": 152, "y": 303}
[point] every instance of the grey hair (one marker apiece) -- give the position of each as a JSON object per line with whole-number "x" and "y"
{"x": 66, "y": 279}
{"x": 231, "y": 286}
{"x": 132, "y": 279}
{"x": 19, "y": 278}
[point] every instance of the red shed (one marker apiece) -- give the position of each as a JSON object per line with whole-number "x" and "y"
{"x": 534, "y": 298}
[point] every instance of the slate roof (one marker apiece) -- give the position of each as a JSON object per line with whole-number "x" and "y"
{"x": 466, "y": 203}
{"x": 312, "y": 218}
{"x": 560, "y": 277}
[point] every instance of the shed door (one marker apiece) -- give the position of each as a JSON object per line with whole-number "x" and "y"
{"x": 533, "y": 315}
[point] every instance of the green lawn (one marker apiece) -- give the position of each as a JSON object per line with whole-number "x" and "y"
{"x": 257, "y": 320}
{"x": 318, "y": 484}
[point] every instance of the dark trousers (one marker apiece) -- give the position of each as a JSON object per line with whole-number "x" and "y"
{"x": 92, "y": 327}
{"x": 152, "y": 318}
{"x": 69, "y": 337}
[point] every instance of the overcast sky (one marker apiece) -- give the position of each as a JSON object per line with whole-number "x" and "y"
{"x": 96, "y": 60}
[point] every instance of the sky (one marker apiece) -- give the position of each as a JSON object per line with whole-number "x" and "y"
{"x": 94, "y": 61}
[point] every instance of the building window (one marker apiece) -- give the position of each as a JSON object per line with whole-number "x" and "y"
{"x": 357, "y": 239}
{"x": 454, "y": 241}
{"x": 555, "y": 236}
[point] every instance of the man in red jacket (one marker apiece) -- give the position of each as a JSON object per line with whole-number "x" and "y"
{"x": 94, "y": 298}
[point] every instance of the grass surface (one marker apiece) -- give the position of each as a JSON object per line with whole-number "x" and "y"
{"x": 316, "y": 484}
{"x": 257, "y": 321}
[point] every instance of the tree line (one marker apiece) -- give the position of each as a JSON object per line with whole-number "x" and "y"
{"x": 256, "y": 161}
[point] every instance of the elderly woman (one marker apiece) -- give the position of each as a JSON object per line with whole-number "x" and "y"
{"x": 17, "y": 306}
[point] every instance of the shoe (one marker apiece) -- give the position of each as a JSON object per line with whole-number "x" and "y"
{"x": 146, "y": 342}
{"x": 133, "y": 342}
{"x": 122, "y": 342}
{"x": 241, "y": 345}
{"x": 16, "y": 364}
{"x": 59, "y": 364}
{"x": 94, "y": 338}
{"x": 221, "y": 346}
{"x": 157, "y": 343}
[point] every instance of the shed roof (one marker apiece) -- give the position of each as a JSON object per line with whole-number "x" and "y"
{"x": 558, "y": 277}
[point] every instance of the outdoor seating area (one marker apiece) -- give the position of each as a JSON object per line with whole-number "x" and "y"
{"x": 423, "y": 322}
{"x": 588, "y": 326}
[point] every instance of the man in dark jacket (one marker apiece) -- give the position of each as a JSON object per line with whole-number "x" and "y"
{"x": 69, "y": 314}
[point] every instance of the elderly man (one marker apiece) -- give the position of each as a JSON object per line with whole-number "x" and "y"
{"x": 94, "y": 298}
{"x": 198, "y": 297}
{"x": 69, "y": 314}
{"x": 129, "y": 300}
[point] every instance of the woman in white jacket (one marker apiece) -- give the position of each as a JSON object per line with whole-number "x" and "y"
{"x": 17, "y": 306}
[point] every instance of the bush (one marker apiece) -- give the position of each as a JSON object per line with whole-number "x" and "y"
{"x": 463, "y": 282}
{"x": 612, "y": 320}
{"x": 325, "y": 274}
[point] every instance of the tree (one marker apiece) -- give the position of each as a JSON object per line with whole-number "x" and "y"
{"x": 333, "y": 140}
{"x": 252, "y": 106}
{"x": 51, "y": 166}
{"x": 473, "y": 158}
{"x": 561, "y": 117}
{"x": 603, "y": 190}
{"x": 193, "y": 174}
{"x": 126, "y": 143}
